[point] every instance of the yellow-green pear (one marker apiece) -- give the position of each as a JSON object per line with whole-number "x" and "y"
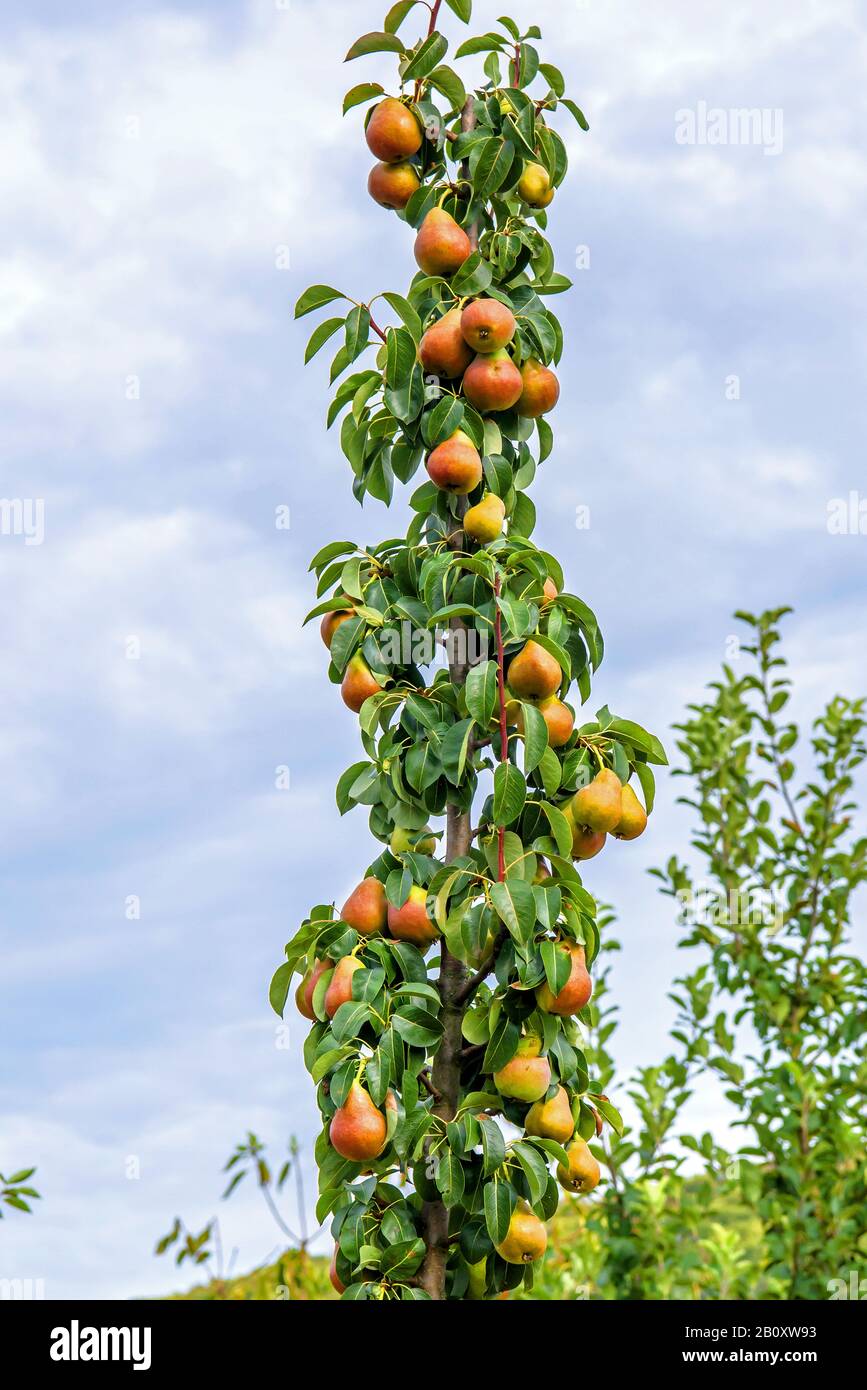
{"x": 358, "y": 1130}
{"x": 535, "y": 186}
{"x": 340, "y": 986}
{"x": 597, "y": 806}
{"x": 526, "y": 1239}
{"x": 484, "y": 521}
{"x": 633, "y": 817}
{"x": 412, "y": 922}
{"x": 359, "y": 683}
{"x": 527, "y": 1076}
{"x": 534, "y": 673}
{"x": 551, "y": 1119}
{"x": 577, "y": 990}
{"x": 583, "y": 1172}
{"x": 419, "y": 841}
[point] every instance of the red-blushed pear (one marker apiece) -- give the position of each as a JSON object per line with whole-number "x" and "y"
{"x": 559, "y": 719}
{"x": 534, "y": 186}
{"x": 393, "y": 132}
{"x": 527, "y": 1076}
{"x": 586, "y": 844}
{"x": 492, "y": 382}
{"x": 455, "y": 465}
{"x": 583, "y": 1172}
{"x": 442, "y": 350}
{"x": 411, "y": 922}
{"x": 551, "y": 1119}
{"x": 549, "y": 591}
{"x": 336, "y": 1282}
{"x": 633, "y": 817}
{"x": 484, "y": 521}
{"x": 392, "y": 185}
{"x": 331, "y": 622}
{"x": 534, "y": 674}
{"x": 340, "y": 986}
{"x": 541, "y": 390}
{"x": 576, "y": 991}
{"x": 488, "y": 325}
{"x": 366, "y": 908}
{"x": 305, "y": 991}
{"x": 597, "y": 806}
{"x": 526, "y": 1239}
{"x": 441, "y": 246}
{"x": 357, "y": 1130}
{"x": 359, "y": 683}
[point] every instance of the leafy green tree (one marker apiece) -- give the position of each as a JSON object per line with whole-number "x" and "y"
{"x": 777, "y": 1008}
{"x": 425, "y": 1063}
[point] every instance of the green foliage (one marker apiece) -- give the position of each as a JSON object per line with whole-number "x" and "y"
{"x": 15, "y": 1192}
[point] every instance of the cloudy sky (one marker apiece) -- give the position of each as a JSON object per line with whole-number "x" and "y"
{"x": 175, "y": 174}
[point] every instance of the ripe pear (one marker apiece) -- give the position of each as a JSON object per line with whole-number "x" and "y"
{"x": 583, "y": 1172}
{"x": 339, "y": 989}
{"x": 549, "y": 591}
{"x": 411, "y": 922}
{"x": 527, "y": 1076}
{"x": 455, "y": 465}
{"x": 331, "y": 622}
{"x": 393, "y": 132}
{"x": 492, "y": 382}
{"x": 559, "y": 719}
{"x": 392, "y": 185}
{"x": 366, "y": 909}
{"x": 305, "y": 991}
{"x": 597, "y": 806}
{"x": 534, "y": 674}
{"x": 633, "y": 817}
{"x": 576, "y": 991}
{"x": 526, "y": 1239}
{"x": 418, "y": 841}
{"x": 541, "y": 390}
{"x": 359, "y": 683}
{"x": 535, "y": 186}
{"x": 442, "y": 350}
{"x": 336, "y": 1282}
{"x": 551, "y": 1119}
{"x": 484, "y": 521}
{"x": 358, "y": 1129}
{"x": 488, "y": 325}
{"x": 441, "y": 246}
{"x": 586, "y": 844}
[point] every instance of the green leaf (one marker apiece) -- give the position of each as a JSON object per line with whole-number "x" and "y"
{"x": 648, "y": 785}
{"x": 357, "y": 330}
{"x": 447, "y": 81}
{"x": 535, "y": 1170}
{"x": 474, "y": 276}
{"x": 498, "y": 1203}
{"x": 454, "y": 750}
{"x": 485, "y": 43}
{"x": 365, "y": 91}
{"x": 319, "y": 337}
{"x": 416, "y": 1026}
{"x": 502, "y": 1046}
{"x": 433, "y": 49}
{"x": 397, "y": 14}
{"x": 406, "y": 312}
{"x": 315, "y": 297}
{"x": 480, "y": 692}
{"x": 377, "y": 42}
{"x": 493, "y": 1144}
{"x": 510, "y": 793}
{"x": 554, "y": 77}
{"x": 535, "y": 736}
{"x": 576, "y": 112}
{"x": 462, "y": 8}
{"x": 279, "y": 990}
{"x": 515, "y": 905}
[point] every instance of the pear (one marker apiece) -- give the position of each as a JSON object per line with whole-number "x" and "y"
{"x": 633, "y": 817}
{"x": 366, "y": 909}
{"x": 340, "y": 986}
{"x": 541, "y": 390}
{"x": 586, "y": 844}
{"x": 392, "y": 185}
{"x": 492, "y": 382}
{"x": 305, "y": 991}
{"x": 411, "y": 922}
{"x": 418, "y": 841}
{"x": 559, "y": 719}
{"x": 583, "y": 1172}
{"x": 455, "y": 465}
{"x": 442, "y": 350}
{"x": 576, "y": 991}
{"x": 331, "y": 622}
{"x": 487, "y": 325}
{"x": 534, "y": 186}
{"x": 526, "y": 1239}
{"x": 393, "y": 132}
{"x": 551, "y": 1119}
{"x": 336, "y": 1282}
{"x": 441, "y": 246}
{"x": 549, "y": 591}
{"x": 478, "y": 1279}
{"x": 484, "y": 521}
{"x": 527, "y": 1076}
{"x": 534, "y": 673}
{"x": 359, "y": 684}
{"x": 357, "y": 1131}
{"x": 597, "y": 806}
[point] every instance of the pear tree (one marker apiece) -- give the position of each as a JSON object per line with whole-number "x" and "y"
{"x": 448, "y": 996}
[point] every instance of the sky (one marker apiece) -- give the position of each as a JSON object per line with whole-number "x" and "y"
{"x": 175, "y": 175}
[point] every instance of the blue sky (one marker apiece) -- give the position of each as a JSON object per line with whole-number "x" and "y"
{"x": 159, "y": 161}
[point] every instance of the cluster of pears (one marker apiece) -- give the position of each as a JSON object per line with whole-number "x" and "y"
{"x": 604, "y": 807}
{"x": 359, "y": 682}
{"x": 470, "y": 342}
{"x": 393, "y": 135}
{"x": 534, "y": 677}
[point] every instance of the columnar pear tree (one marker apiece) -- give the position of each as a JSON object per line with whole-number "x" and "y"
{"x": 448, "y": 995}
